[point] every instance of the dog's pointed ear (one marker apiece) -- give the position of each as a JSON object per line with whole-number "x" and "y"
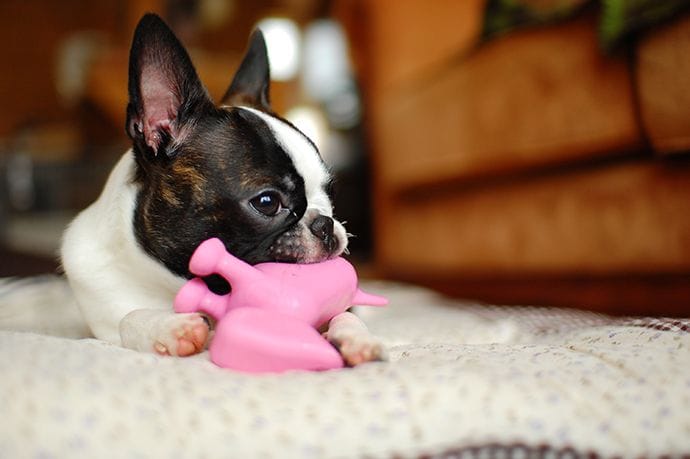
{"x": 165, "y": 92}
{"x": 251, "y": 83}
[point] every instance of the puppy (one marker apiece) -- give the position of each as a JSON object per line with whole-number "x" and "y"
{"x": 235, "y": 171}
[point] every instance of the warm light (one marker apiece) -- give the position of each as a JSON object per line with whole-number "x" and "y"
{"x": 327, "y": 74}
{"x": 283, "y": 42}
{"x": 312, "y": 123}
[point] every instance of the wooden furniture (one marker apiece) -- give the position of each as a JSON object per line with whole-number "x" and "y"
{"x": 532, "y": 168}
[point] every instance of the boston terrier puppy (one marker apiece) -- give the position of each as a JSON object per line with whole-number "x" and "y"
{"x": 196, "y": 170}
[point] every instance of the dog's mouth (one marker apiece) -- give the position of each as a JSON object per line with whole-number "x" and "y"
{"x": 313, "y": 244}
{"x": 301, "y": 243}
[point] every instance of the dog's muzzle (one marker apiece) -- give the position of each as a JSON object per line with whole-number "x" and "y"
{"x": 322, "y": 228}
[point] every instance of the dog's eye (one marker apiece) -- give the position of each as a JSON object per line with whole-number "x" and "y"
{"x": 267, "y": 203}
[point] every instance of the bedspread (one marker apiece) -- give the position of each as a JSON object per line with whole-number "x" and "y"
{"x": 461, "y": 378}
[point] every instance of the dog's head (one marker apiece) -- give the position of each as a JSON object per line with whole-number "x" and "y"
{"x": 235, "y": 171}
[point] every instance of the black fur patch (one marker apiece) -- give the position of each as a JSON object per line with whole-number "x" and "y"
{"x": 204, "y": 190}
{"x": 199, "y": 166}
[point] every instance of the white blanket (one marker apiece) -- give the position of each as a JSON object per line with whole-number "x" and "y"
{"x": 462, "y": 378}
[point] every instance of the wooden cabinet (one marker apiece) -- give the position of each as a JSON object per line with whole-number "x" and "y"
{"x": 528, "y": 162}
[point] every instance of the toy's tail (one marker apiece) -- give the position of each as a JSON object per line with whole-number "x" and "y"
{"x": 367, "y": 299}
{"x": 194, "y": 296}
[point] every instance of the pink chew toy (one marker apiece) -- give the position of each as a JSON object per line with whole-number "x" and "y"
{"x": 268, "y": 323}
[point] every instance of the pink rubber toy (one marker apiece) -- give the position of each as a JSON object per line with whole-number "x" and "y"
{"x": 268, "y": 323}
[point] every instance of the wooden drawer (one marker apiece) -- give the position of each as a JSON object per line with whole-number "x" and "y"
{"x": 398, "y": 41}
{"x": 535, "y": 97}
{"x": 663, "y": 68}
{"x": 629, "y": 218}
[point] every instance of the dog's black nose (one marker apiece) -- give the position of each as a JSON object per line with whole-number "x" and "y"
{"x": 322, "y": 227}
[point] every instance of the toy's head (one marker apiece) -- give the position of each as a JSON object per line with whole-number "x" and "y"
{"x": 314, "y": 293}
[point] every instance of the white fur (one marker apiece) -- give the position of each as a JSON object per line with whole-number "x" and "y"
{"x": 351, "y": 336}
{"x": 305, "y": 158}
{"x": 110, "y": 275}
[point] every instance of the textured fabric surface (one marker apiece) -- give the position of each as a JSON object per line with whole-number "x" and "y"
{"x": 462, "y": 378}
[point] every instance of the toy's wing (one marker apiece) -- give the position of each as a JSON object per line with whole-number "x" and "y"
{"x": 260, "y": 341}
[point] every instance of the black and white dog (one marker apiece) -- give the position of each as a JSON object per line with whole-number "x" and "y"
{"x": 196, "y": 170}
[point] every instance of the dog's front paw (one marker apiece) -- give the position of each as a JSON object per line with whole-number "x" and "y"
{"x": 348, "y": 334}
{"x": 359, "y": 348}
{"x": 182, "y": 335}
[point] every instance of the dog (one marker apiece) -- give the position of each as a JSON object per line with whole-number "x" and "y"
{"x": 235, "y": 170}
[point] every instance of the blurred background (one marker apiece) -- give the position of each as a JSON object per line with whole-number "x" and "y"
{"x": 510, "y": 151}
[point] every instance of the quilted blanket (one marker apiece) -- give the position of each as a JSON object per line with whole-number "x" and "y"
{"x": 462, "y": 379}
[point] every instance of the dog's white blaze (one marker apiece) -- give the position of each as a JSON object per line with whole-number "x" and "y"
{"x": 305, "y": 158}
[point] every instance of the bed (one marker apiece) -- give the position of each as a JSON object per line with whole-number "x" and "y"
{"x": 462, "y": 380}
